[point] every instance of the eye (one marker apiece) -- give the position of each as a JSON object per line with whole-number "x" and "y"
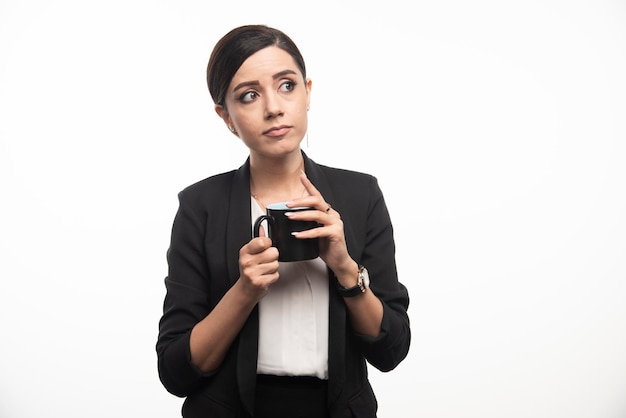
{"x": 248, "y": 97}
{"x": 287, "y": 86}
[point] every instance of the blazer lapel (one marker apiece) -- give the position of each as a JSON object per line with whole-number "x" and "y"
{"x": 239, "y": 222}
{"x": 247, "y": 353}
{"x": 337, "y": 310}
{"x": 239, "y": 232}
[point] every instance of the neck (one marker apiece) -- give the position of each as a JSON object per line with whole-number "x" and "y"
{"x": 276, "y": 180}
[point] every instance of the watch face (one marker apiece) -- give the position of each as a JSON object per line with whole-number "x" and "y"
{"x": 364, "y": 278}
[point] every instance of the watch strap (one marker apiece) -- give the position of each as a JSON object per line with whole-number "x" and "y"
{"x": 357, "y": 289}
{"x": 348, "y": 292}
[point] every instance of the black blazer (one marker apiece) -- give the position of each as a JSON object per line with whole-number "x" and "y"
{"x": 212, "y": 223}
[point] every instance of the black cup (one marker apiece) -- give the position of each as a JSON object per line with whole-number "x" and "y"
{"x": 280, "y": 229}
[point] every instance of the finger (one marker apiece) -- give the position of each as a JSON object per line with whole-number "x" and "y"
{"x": 310, "y": 188}
{"x": 318, "y": 200}
{"x": 258, "y": 245}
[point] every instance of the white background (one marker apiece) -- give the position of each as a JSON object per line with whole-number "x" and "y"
{"x": 497, "y": 132}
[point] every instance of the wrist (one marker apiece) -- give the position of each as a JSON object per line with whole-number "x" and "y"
{"x": 347, "y": 276}
{"x": 361, "y": 286}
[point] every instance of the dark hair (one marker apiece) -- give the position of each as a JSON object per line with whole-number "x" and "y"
{"x": 235, "y": 47}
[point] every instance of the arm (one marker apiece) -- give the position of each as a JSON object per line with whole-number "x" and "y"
{"x": 202, "y": 316}
{"x": 364, "y": 310}
{"x": 391, "y": 345}
{"x": 212, "y": 337}
{"x": 379, "y": 316}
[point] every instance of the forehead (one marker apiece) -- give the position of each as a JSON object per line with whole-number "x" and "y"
{"x": 265, "y": 63}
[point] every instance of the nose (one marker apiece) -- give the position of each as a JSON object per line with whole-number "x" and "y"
{"x": 273, "y": 106}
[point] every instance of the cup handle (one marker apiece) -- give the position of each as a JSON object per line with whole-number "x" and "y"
{"x": 257, "y": 225}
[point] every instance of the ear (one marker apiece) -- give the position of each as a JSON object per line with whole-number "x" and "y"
{"x": 222, "y": 113}
{"x": 309, "y": 84}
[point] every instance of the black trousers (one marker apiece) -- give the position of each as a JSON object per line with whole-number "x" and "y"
{"x": 291, "y": 397}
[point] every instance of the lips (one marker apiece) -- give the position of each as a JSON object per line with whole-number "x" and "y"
{"x": 277, "y": 130}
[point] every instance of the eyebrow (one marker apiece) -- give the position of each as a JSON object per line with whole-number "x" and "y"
{"x": 256, "y": 82}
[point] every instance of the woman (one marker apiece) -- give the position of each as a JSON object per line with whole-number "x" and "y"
{"x": 243, "y": 334}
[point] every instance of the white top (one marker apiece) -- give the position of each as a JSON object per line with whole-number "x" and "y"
{"x": 293, "y": 319}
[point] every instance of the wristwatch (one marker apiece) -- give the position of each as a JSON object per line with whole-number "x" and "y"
{"x": 362, "y": 284}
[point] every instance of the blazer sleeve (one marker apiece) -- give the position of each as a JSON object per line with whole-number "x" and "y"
{"x": 186, "y": 300}
{"x": 377, "y": 254}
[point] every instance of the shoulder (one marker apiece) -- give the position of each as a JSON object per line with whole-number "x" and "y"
{"x": 342, "y": 176}
{"x": 349, "y": 183}
{"x": 342, "y": 173}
